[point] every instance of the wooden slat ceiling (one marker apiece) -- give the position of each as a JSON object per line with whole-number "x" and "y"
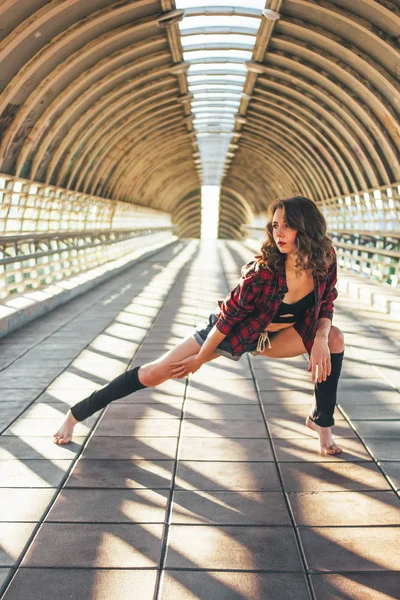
{"x": 93, "y": 97}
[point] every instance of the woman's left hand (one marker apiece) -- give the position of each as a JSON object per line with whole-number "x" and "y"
{"x": 320, "y": 360}
{"x": 182, "y": 368}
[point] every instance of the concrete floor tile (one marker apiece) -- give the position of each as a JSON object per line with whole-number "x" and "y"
{"x": 357, "y": 586}
{"x": 377, "y": 429}
{"x": 221, "y": 449}
{"x": 304, "y": 449}
{"x": 364, "y": 385}
{"x": 383, "y": 449}
{"x": 38, "y": 448}
{"x": 278, "y": 385}
{"x": 229, "y": 508}
{"x": 343, "y": 549}
{"x": 4, "y": 575}
{"x": 32, "y": 473}
{"x": 332, "y": 477}
{"x": 283, "y": 397}
{"x": 157, "y": 410}
{"x": 105, "y": 545}
{"x": 392, "y": 470}
{"x": 201, "y": 585}
{"x": 240, "y": 386}
{"x": 47, "y": 410}
{"x": 13, "y": 539}
{"x": 224, "y": 428}
{"x": 223, "y": 369}
{"x": 121, "y": 474}
{"x": 282, "y": 365}
{"x": 290, "y": 411}
{"x": 151, "y": 396}
{"x": 10, "y": 410}
{"x": 83, "y": 583}
{"x": 18, "y": 380}
{"x": 370, "y": 412}
{"x": 391, "y": 372}
{"x": 374, "y": 398}
{"x": 228, "y": 547}
{"x": 138, "y": 427}
{"x": 234, "y": 476}
{"x": 23, "y": 396}
{"x": 46, "y": 427}
{"x": 296, "y": 428}
{"x": 370, "y": 354}
{"x": 66, "y": 397}
{"x": 24, "y": 504}
{"x": 150, "y": 448}
{"x": 70, "y": 381}
{"x": 200, "y": 410}
{"x": 222, "y": 392}
{"x": 357, "y": 369}
{"x": 109, "y": 506}
{"x": 317, "y": 509}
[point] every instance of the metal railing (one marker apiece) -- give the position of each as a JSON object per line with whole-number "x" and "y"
{"x": 34, "y": 260}
{"x": 376, "y": 209}
{"x": 48, "y": 233}
{"x": 374, "y": 254}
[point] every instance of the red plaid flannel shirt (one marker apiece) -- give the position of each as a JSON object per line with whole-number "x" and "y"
{"x": 251, "y": 306}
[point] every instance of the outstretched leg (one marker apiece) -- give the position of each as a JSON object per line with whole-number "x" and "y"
{"x": 148, "y": 375}
{"x": 288, "y": 343}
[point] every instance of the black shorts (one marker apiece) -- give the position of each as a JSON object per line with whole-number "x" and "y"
{"x": 224, "y": 348}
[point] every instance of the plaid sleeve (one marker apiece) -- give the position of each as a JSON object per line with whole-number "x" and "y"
{"x": 239, "y": 303}
{"x": 330, "y": 293}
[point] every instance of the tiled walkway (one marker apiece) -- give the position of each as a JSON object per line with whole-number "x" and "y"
{"x": 211, "y": 489}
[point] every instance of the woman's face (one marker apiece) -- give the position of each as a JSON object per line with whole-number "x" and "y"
{"x": 284, "y": 236}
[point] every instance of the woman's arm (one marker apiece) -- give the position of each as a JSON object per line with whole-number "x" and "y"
{"x": 330, "y": 293}
{"x": 240, "y": 302}
{"x": 191, "y": 364}
{"x": 214, "y": 338}
{"x": 320, "y": 357}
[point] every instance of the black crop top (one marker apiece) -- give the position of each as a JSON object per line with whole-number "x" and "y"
{"x": 294, "y": 310}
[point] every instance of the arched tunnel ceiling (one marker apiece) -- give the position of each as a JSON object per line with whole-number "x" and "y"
{"x": 94, "y": 97}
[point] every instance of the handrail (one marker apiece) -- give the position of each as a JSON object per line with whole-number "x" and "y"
{"x": 16, "y": 244}
{"x": 365, "y": 232}
{"x": 367, "y": 249}
{"x": 359, "y": 252}
{"x": 79, "y": 232}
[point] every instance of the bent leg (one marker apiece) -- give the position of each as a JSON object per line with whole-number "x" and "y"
{"x": 326, "y": 391}
{"x": 149, "y": 375}
{"x": 288, "y": 343}
{"x": 133, "y": 380}
{"x": 160, "y": 370}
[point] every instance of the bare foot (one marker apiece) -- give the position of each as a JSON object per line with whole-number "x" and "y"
{"x": 326, "y": 440}
{"x": 64, "y": 434}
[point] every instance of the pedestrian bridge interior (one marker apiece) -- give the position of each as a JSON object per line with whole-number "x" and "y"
{"x": 115, "y": 119}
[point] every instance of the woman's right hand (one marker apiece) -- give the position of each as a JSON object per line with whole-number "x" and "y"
{"x": 182, "y": 368}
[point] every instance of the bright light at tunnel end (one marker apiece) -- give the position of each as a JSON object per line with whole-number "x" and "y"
{"x": 209, "y": 211}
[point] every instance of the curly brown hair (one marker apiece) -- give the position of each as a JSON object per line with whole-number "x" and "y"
{"x": 314, "y": 248}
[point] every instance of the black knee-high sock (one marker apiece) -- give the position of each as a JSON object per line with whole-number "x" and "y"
{"x": 121, "y": 386}
{"x": 326, "y": 393}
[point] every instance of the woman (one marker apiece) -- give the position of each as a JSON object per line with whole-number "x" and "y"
{"x": 282, "y": 307}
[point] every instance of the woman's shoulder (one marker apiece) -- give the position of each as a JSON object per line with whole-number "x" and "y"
{"x": 255, "y": 271}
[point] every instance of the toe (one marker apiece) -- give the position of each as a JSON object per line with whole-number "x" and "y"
{"x": 65, "y": 440}
{"x": 328, "y": 450}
